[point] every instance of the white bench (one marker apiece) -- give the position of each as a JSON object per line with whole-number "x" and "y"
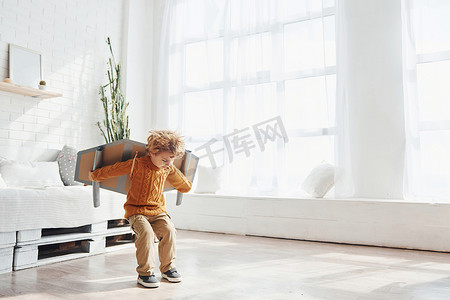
{"x": 372, "y": 222}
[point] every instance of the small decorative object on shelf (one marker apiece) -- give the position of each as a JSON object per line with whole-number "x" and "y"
{"x": 42, "y": 85}
{"x": 7, "y": 85}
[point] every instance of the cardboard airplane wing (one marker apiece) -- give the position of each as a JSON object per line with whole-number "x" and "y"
{"x": 122, "y": 150}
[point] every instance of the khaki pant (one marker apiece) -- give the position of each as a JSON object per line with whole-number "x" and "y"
{"x": 146, "y": 227}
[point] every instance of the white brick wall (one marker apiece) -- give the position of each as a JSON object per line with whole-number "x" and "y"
{"x": 70, "y": 35}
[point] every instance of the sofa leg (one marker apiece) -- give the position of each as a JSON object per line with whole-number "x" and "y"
{"x": 28, "y": 235}
{"x": 98, "y": 227}
{"x": 25, "y": 257}
{"x": 95, "y": 245}
{"x": 6, "y": 259}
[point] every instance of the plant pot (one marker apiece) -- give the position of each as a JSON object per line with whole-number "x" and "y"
{"x": 42, "y": 87}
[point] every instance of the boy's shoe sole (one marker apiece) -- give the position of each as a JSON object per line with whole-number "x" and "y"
{"x": 147, "y": 284}
{"x": 170, "y": 279}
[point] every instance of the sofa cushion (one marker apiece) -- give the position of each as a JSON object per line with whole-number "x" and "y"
{"x": 56, "y": 207}
{"x": 67, "y": 160}
{"x": 20, "y": 174}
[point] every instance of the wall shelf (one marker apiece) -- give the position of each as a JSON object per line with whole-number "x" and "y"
{"x": 27, "y": 91}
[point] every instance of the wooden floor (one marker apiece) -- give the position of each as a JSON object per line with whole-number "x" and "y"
{"x": 218, "y": 266}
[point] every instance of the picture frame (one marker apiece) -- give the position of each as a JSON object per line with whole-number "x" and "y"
{"x": 25, "y": 66}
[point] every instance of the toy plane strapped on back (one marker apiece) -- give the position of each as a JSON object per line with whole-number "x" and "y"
{"x": 122, "y": 150}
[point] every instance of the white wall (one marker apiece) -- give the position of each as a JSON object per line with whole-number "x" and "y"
{"x": 371, "y": 52}
{"x": 71, "y": 36}
{"x": 142, "y": 82}
{"x": 159, "y": 110}
{"x": 138, "y": 65}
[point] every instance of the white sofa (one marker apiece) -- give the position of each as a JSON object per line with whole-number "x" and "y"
{"x": 33, "y": 218}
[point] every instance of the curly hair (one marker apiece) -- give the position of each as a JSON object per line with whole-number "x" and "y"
{"x": 165, "y": 140}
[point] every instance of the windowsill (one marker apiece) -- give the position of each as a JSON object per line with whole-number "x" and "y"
{"x": 309, "y": 198}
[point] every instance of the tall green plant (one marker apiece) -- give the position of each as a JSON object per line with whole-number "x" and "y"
{"x": 115, "y": 124}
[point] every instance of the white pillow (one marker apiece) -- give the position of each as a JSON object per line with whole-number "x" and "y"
{"x": 67, "y": 160}
{"x": 209, "y": 180}
{"x": 2, "y": 182}
{"x": 319, "y": 181}
{"x": 17, "y": 174}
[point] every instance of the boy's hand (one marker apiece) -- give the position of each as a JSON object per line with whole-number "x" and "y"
{"x": 90, "y": 176}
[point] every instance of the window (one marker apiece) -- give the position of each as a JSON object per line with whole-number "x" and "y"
{"x": 432, "y": 45}
{"x": 237, "y": 64}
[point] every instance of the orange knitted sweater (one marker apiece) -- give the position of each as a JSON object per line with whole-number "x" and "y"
{"x": 145, "y": 196}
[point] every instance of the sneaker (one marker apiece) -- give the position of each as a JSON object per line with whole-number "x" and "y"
{"x": 148, "y": 281}
{"x": 172, "y": 275}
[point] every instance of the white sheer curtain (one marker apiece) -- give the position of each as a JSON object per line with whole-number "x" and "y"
{"x": 426, "y": 40}
{"x": 345, "y": 185}
{"x": 238, "y": 66}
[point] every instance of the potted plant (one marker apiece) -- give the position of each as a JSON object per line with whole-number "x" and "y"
{"x": 115, "y": 124}
{"x": 42, "y": 85}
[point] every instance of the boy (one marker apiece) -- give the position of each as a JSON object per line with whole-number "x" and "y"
{"x": 145, "y": 206}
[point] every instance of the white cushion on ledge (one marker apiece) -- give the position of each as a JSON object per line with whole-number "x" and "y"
{"x": 319, "y": 181}
{"x": 209, "y": 180}
{"x": 22, "y": 174}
